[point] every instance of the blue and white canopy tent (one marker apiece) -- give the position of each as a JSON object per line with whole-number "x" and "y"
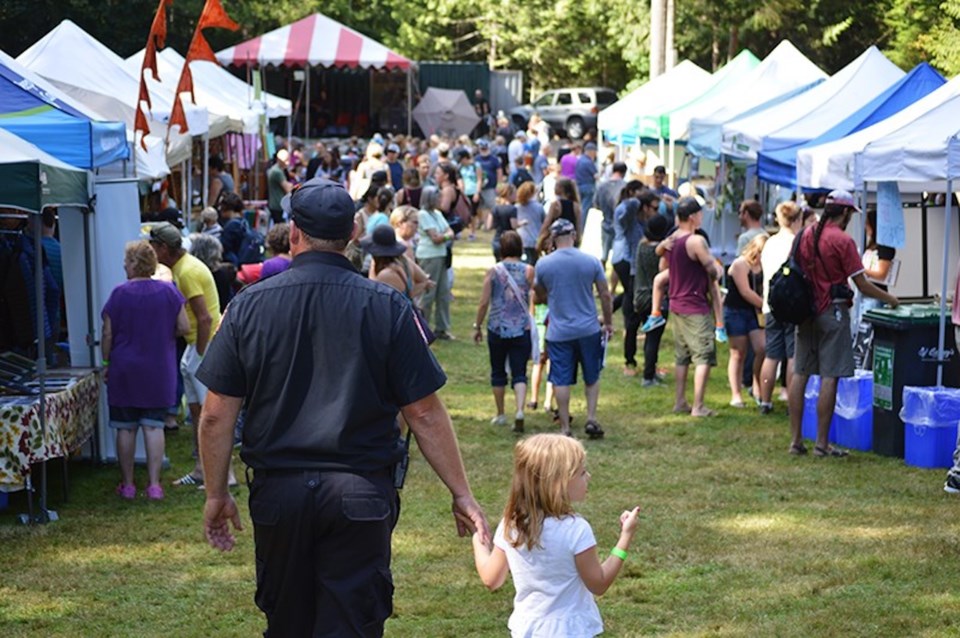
{"x": 780, "y": 166}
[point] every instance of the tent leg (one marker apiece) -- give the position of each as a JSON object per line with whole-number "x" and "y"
{"x": 92, "y": 342}
{"x": 674, "y": 179}
{"x": 43, "y": 516}
{"x": 306, "y": 113}
{"x": 205, "y": 197}
{"x": 410, "y": 101}
{"x": 941, "y": 343}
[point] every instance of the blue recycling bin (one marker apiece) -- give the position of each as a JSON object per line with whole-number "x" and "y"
{"x": 930, "y": 417}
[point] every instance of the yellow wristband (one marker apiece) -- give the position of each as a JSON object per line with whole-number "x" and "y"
{"x": 619, "y": 553}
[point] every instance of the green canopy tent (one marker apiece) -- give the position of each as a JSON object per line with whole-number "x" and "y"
{"x": 31, "y": 180}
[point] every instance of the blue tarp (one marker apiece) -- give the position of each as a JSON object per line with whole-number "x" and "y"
{"x": 780, "y": 166}
{"x": 34, "y": 115}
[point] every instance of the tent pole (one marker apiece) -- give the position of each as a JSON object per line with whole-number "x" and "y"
{"x": 92, "y": 342}
{"x": 42, "y": 516}
{"x": 306, "y": 113}
{"x": 943, "y": 282}
{"x": 672, "y": 177}
{"x": 410, "y": 100}
{"x": 206, "y": 170}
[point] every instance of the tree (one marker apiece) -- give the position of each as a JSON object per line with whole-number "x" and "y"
{"x": 943, "y": 41}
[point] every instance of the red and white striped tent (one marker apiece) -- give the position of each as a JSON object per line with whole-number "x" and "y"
{"x": 313, "y": 41}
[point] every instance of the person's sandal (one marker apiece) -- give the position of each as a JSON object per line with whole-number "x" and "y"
{"x": 834, "y": 452}
{"x": 593, "y": 430}
{"x": 798, "y": 449}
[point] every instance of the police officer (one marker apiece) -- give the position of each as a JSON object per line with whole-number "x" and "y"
{"x": 323, "y": 359}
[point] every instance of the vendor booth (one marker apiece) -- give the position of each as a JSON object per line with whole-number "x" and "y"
{"x": 43, "y": 414}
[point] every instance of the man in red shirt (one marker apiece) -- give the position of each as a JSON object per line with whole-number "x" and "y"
{"x": 824, "y": 345}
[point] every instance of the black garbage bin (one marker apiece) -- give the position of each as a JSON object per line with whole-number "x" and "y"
{"x": 905, "y": 343}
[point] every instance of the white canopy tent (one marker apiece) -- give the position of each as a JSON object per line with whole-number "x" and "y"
{"x": 853, "y": 86}
{"x": 229, "y": 88}
{"x": 784, "y": 70}
{"x": 679, "y": 85}
{"x": 922, "y": 155}
{"x": 97, "y": 78}
{"x": 149, "y": 164}
{"x": 225, "y": 116}
{"x": 832, "y": 165}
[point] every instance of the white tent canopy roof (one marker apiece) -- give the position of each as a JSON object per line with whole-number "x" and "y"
{"x": 784, "y": 70}
{"x": 679, "y": 85}
{"x": 97, "y": 77}
{"x": 854, "y": 85}
{"x": 832, "y": 165}
{"x": 149, "y": 164}
{"x": 231, "y": 116}
{"x": 922, "y": 155}
{"x": 228, "y": 86}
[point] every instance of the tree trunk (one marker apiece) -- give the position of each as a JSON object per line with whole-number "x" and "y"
{"x": 734, "y": 42}
{"x": 715, "y": 51}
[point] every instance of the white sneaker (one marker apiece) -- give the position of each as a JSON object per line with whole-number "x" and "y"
{"x": 500, "y": 419}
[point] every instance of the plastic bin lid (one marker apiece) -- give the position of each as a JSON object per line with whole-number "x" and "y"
{"x": 905, "y": 315}
{"x": 931, "y": 405}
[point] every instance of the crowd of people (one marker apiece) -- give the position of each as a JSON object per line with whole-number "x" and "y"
{"x": 339, "y": 225}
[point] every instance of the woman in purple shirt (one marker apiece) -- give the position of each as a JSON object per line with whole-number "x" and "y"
{"x": 141, "y": 321}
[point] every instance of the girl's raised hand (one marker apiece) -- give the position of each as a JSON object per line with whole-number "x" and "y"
{"x": 630, "y": 520}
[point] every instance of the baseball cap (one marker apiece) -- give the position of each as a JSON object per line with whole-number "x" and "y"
{"x": 167, "y": 234}
{"x": 590, "y": 146}
{"x": 393, "y": 148}
{"x": 323, "y": 209}
{"x": 688, "y": 206}
{"x": 561, "y": 227}
{"x": 520, "y": 134}
{"x": 841, "y": 198}
{"x": 483, "y": 143}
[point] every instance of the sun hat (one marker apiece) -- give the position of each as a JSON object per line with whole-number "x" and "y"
{"x": 382, "y": 242}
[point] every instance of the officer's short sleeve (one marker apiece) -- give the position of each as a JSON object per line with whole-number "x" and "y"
{"x": 412, "y": 371}
{"x": 221, "y": 369}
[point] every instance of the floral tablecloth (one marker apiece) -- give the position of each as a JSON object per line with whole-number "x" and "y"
{"x": 71, "y": 416}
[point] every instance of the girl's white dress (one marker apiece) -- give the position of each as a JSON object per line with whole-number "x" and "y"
{"x": 551, "y": 600}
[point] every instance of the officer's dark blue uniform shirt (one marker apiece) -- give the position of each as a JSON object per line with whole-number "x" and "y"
{"x": 324, "y": 358}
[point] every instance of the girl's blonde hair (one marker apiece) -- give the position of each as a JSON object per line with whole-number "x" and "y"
{"x": 751, "y": 252}
{"x": 543, "y": 466}
{"x": 401, "y": 214}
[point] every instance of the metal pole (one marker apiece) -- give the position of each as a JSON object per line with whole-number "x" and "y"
{"x": 41, "y": 354}
{"x": 91, "y": 317}
{"x": 205, "y": 192}
{"x": 410, "y": 100}
{"x": 943, "y": 282}
{"x": 306, "y": 114}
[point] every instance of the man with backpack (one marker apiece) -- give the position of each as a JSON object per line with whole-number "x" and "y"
{"x": 827, "y": 256}
{"x": 241, "y": 243}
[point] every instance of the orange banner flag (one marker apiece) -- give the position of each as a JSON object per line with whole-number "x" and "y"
{"x": 212, "y": 16}
{"x": 156, "y": 39}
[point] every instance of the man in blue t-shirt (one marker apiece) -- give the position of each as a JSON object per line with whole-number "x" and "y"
{"x": 565, "y": 280}
{"x": 585, "y": 172}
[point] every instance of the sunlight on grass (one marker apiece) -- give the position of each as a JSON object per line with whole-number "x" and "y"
{"x": 24, "y": 606}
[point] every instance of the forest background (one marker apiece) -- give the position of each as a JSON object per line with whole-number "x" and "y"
{"x": 554, "y": 42}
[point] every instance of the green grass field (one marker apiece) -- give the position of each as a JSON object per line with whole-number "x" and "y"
{"x": 738, "y": 538}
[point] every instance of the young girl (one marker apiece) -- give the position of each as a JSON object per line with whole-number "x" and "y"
{"x": 548, "y": 547}
{"x": 744, "y": 299}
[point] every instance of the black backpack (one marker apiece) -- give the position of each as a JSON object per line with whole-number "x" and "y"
{"x": 241, "y": 243}
{"x": 791, "y": 295}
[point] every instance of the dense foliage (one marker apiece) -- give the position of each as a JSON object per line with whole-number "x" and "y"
{"x": 555, "y": 42}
